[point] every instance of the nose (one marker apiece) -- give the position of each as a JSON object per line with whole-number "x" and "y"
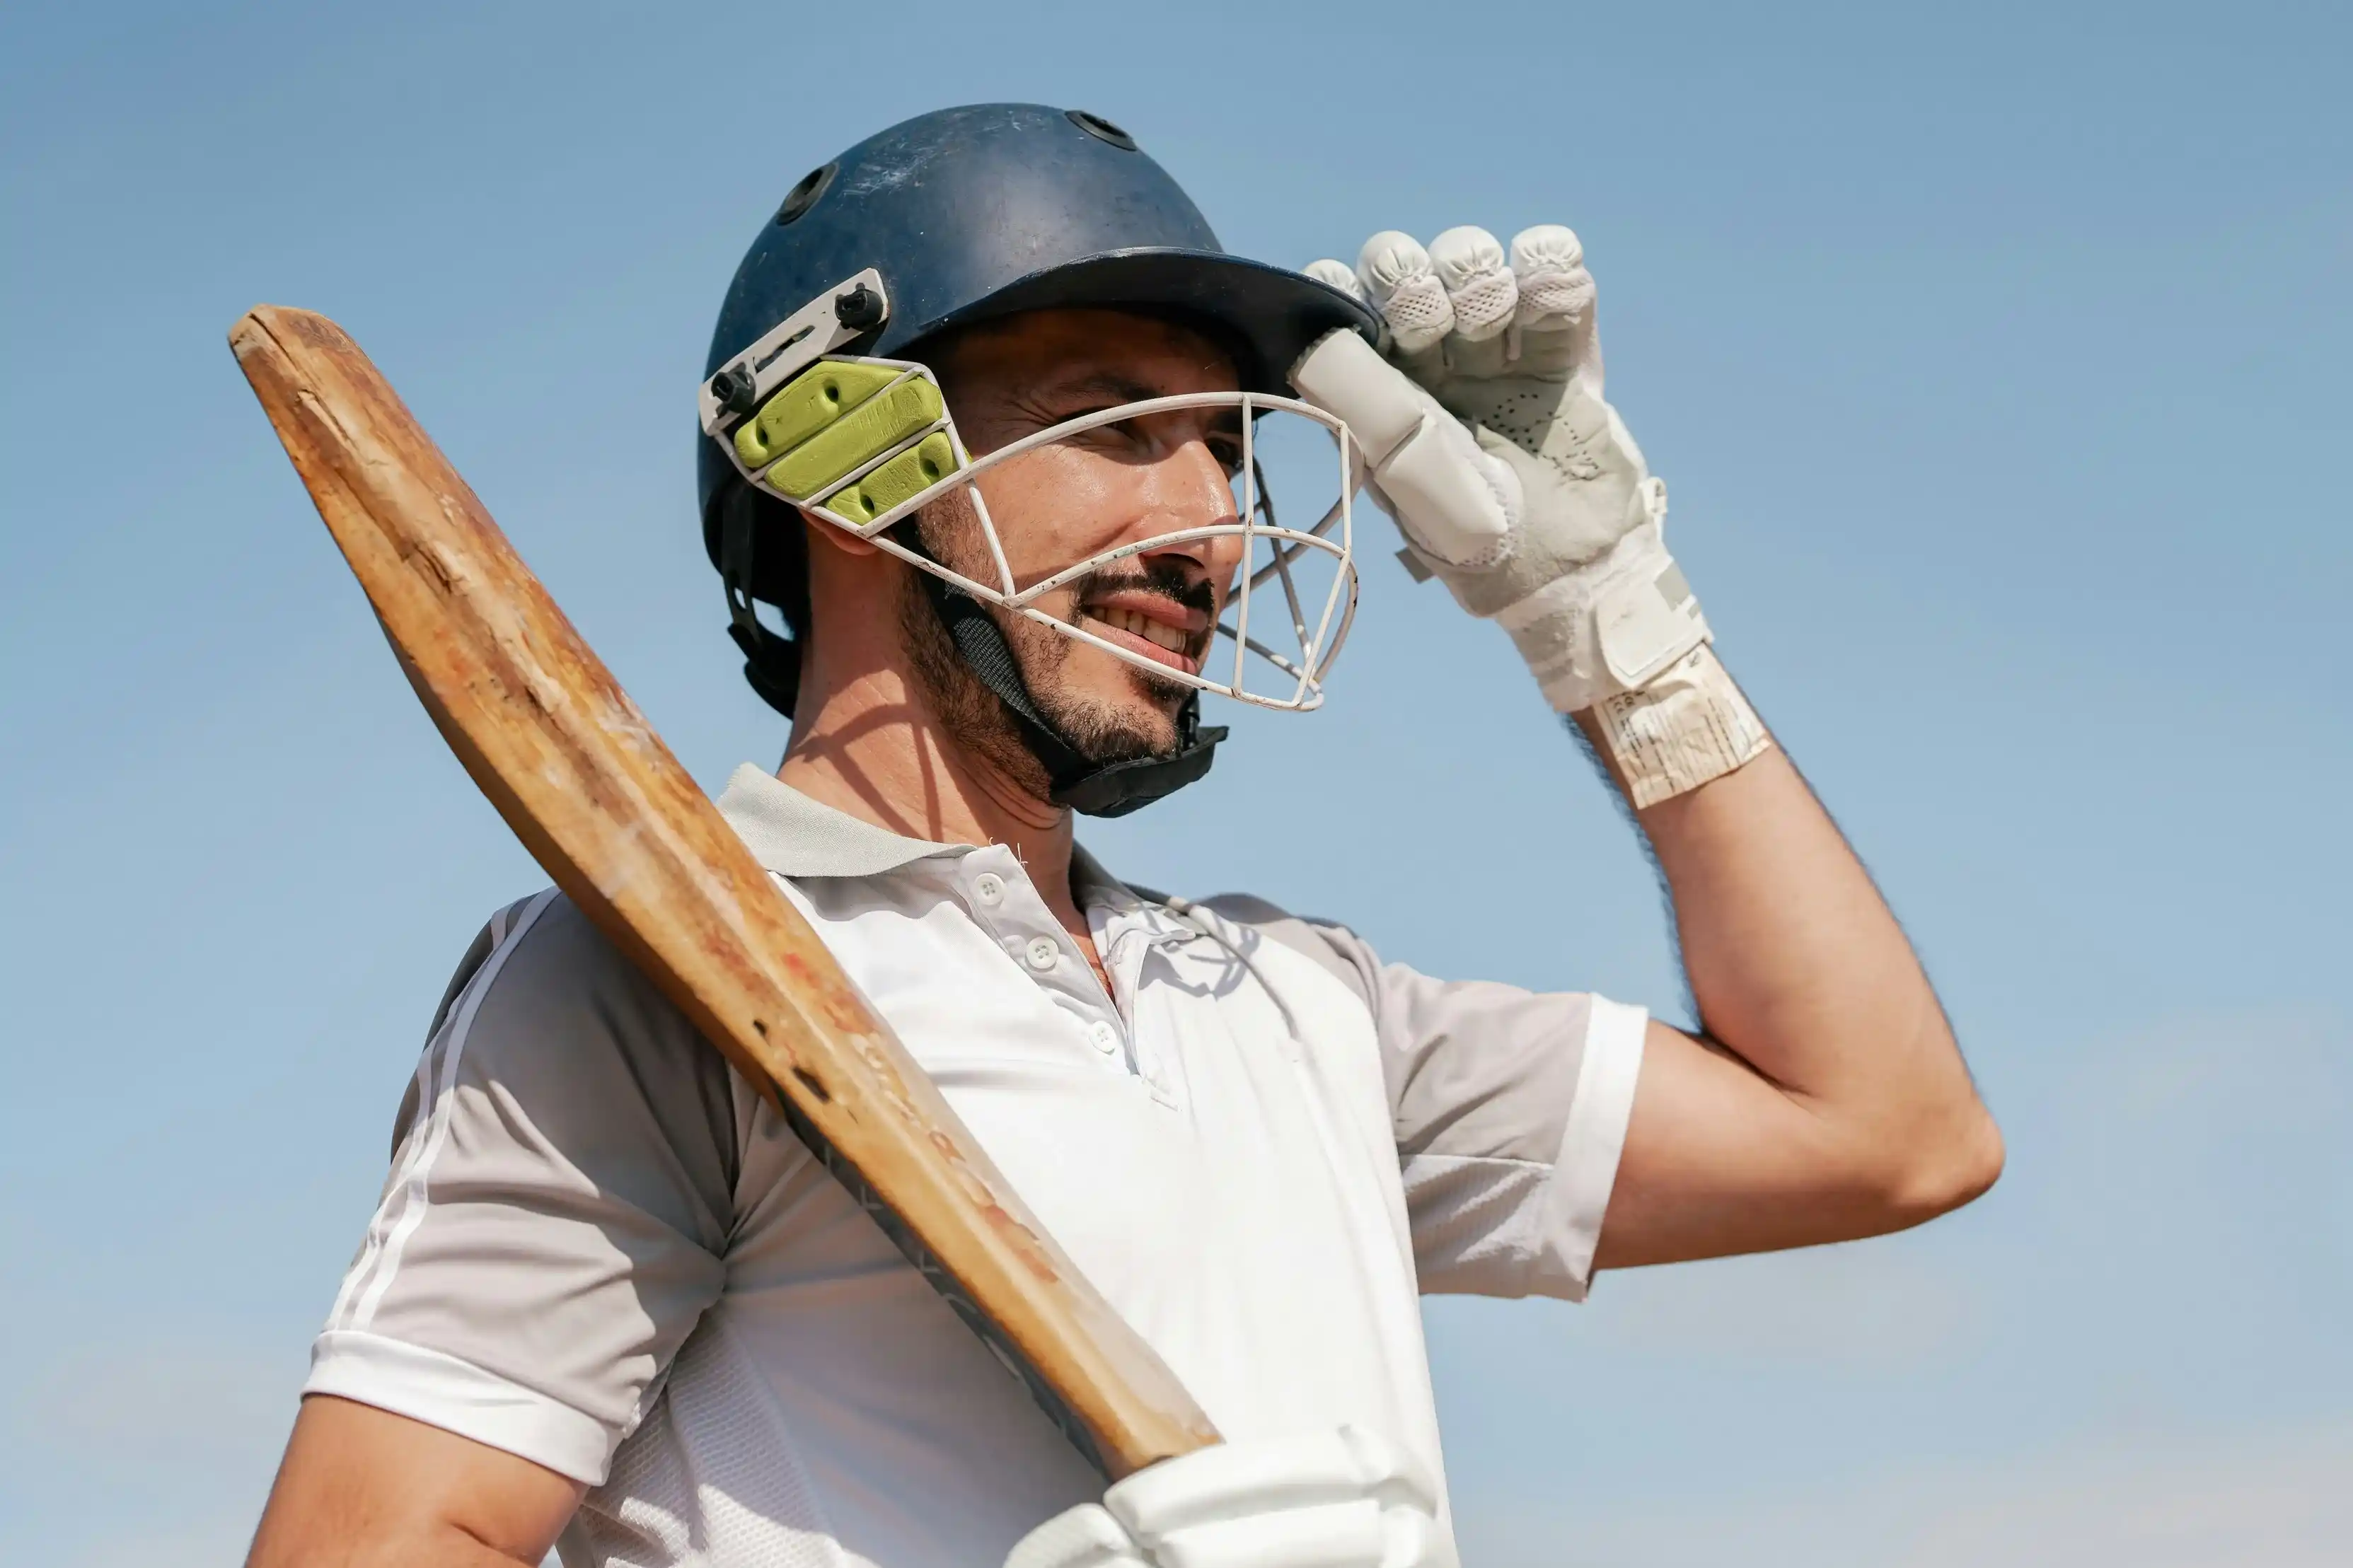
{"x": 1187, "y": 488}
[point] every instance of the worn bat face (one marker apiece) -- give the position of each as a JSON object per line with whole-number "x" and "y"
{"x": 585, "y": 781}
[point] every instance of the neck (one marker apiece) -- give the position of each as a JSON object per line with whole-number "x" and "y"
{"x": 865, "y": 741}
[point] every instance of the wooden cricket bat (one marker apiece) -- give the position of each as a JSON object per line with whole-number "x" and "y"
{"x": 590, "y": 789}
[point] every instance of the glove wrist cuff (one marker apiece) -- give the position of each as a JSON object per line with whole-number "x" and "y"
{"x": 1617, "y": 624}
{"x": 1689, "y": 725}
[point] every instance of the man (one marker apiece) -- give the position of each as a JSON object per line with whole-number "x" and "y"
{"x": 980, "y": 403}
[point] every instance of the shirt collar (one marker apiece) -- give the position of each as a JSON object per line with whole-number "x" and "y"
{"x": 1091, "y": 884}
{"x": 794, "y": 835}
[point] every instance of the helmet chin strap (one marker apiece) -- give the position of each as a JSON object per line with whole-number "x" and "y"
{"x": 1088, "y": 787}
{"x": 773, "y": 664}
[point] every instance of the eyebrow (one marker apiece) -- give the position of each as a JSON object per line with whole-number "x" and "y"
{"x": 1121, "y": 389}
{"x": 1118, "y": 388}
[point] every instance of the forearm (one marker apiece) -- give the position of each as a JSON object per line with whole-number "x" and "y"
{"x": 1794, "y": 961}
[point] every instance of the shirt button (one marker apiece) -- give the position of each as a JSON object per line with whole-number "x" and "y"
{"x": 989, "y": 888}
{"x": 1042, "y": 954}
{"x": 1105, "y": 1037}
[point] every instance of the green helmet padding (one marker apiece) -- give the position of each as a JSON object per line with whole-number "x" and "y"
{"x": 806, "y": 405}
{"x": 875, "y": 425}
{"x": 927, "y": 463}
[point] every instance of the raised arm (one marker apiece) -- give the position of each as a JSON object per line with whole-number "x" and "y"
{"x": 1826, "y": 1098}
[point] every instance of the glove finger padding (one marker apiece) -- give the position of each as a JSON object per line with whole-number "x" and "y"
{"x": 1479, "y": 288}
{"x": 1484, "y": 296}
{"x": 1516, "y": 484}
{"x": 1555, "y": 323}
{"x": 1335, "y": 274}
{"x": 1455, "y": 503}
{"x": 1395, "y": 276}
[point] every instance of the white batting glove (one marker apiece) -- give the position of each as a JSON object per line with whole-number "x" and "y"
{"x": 1342, "y": 1499}
{"x": 1515, "y": 484}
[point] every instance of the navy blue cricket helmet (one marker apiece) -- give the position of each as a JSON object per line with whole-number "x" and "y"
{"x": 970, "y": 215}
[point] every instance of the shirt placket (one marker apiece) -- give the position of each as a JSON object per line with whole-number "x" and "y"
{"x": 1004, "y": 902}
{"x": 1127, "y": 934}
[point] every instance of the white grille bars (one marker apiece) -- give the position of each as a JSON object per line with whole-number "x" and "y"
{"x": 859, "y": 444}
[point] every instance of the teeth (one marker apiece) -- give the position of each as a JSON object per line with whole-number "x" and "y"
{"x": 1158, "y": 633}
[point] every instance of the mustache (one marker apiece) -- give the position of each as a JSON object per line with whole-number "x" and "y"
{"x": 1169, "y": 579}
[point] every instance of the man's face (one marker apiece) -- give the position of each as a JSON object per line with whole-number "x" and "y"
{"x": 1079, "y": 496}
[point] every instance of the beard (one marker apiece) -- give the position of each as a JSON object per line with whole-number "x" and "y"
{"x": 977, "y": 719}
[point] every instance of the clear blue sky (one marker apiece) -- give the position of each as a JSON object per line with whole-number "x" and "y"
{"x": 1995, "y": 355}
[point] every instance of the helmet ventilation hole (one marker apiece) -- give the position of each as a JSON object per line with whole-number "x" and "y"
{"x": 1101, "y": 130}
{"x": 803, "y": 197}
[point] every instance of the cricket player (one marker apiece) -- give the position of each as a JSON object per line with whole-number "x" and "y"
{"x": 979, "y": 448}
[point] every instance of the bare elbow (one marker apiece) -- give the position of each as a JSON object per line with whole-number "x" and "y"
{"x": 1938, "y": 1147}
{"x": 1954, "y": 1163}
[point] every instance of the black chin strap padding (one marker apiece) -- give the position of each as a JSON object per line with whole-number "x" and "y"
{"x": 1114, "y": 789}
{"x": 772, "y": 667}
{"x": 772, "y": 664}
{"x": 981, "y": 644}
{"x": 1091, "y": 789}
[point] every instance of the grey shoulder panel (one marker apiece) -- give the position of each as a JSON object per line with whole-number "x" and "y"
{"x": 485, "y": 941}
{"x": 568, "y": 1028}
{"x": 561, "y": 1202}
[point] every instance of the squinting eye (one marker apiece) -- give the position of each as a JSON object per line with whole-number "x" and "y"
{"x": 1229, "y": 454}
{"x": 1123, "y": 433}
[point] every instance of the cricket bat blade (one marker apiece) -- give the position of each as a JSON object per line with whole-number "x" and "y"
{"x": 589, "y": 787}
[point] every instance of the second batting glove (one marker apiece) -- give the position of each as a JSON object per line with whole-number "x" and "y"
{"x": 1342, "y": 1499}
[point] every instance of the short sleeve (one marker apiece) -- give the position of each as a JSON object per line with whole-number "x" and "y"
{"x": 1510, "y": 1109}
{"x": 560, "y": 1200}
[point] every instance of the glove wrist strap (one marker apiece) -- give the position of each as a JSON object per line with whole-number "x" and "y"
{"x": 1688, "y": 725}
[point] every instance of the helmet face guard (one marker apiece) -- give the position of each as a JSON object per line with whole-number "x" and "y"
{"x": 860, "y": 443}
{"x": 813, "y": 397}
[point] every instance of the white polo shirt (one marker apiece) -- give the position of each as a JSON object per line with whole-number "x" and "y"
{"x": 599, "y": 1249}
